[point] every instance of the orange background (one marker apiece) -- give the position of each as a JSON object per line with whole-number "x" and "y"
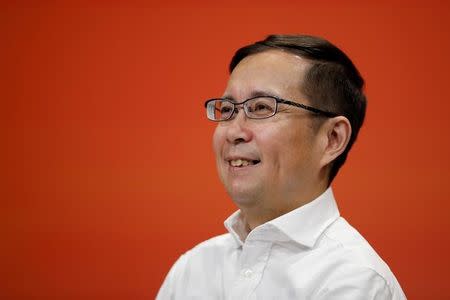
{"x": 107, "y": 169}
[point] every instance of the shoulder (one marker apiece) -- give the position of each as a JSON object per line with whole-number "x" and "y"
{"x": 223, "y": 240}
{"x": 355, "y": 263}
{"x": 212, "y": 247}
{"x": 194, "y": 270}
{"x": 353, "y": 247}
{"x": 208, "y": 253}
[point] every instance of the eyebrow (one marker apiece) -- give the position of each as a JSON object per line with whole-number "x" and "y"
{"x": 255, "y": 93}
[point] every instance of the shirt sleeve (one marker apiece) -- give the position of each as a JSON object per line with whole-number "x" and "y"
{"x": 354, "y": 284}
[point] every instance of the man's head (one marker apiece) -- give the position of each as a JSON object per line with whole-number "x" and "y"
{"x": 277, "y": 162}
{"x": 331, "y": 83}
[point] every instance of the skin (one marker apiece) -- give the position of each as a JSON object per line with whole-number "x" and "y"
{"x": 294, "y": 155}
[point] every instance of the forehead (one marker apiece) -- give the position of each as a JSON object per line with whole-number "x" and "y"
{"x": 275, "y": 72}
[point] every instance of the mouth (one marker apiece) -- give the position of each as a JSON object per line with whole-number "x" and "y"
{"x": 242, "y": 162}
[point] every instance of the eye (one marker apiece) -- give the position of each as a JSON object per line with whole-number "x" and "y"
{"x": 262, "y": 106}
{"x": 225, "y": 109}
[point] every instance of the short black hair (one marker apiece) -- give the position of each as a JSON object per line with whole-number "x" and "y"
{"x": 332, "y": 83}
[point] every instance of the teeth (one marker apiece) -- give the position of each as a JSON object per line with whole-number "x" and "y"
{"x": 240, "y": 163}
{"x": 236, "y": 163}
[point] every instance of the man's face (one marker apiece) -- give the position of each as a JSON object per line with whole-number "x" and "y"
{"x": 267, "y": 162}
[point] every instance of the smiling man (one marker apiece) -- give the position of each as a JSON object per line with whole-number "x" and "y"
{"x": 290, "y": 113}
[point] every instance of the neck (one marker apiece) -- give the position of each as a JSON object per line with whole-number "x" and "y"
{"x": 265, "y": 210}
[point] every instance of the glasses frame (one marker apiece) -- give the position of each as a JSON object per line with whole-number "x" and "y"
{"x": 277, "y": 100}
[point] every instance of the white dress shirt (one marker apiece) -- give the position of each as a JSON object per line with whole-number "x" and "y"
{"x": 308, "y": 253}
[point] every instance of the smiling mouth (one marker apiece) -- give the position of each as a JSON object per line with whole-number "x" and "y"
{"x": 243, "y": 163}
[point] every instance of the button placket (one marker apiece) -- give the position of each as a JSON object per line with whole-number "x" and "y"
{"x": 253, "y": 261}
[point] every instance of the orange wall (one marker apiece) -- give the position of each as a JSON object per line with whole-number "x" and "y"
{"x": 107, "y": 168}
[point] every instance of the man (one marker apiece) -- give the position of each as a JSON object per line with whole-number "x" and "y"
{"x": 290, "y": 113}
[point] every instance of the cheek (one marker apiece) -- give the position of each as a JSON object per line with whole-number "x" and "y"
{"x": 218, "y": 138}
{"x": 272, "y": 145}
{"x": 291, "y": 150}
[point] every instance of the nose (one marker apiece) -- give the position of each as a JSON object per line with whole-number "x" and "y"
{"x": 238, "y": 128}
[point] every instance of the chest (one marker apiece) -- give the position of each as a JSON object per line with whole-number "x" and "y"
{"x": 259, "y": 270}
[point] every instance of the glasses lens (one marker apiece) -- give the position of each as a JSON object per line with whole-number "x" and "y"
{"x": 219, "y": 109}
{"x": 261, "y": 107}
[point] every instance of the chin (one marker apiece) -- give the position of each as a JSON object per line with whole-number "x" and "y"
{"x": 243, "y": 196}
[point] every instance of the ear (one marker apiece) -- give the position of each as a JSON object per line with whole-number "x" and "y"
{"x": 337, "y": 135}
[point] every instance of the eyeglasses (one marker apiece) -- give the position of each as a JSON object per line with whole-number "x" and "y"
{"x": 260, "y": 107}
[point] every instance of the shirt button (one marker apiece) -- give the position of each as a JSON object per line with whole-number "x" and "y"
{"x": 247, "y": 273}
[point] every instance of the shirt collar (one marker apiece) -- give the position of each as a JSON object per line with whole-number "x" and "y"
{"x": 303, "y": 225}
